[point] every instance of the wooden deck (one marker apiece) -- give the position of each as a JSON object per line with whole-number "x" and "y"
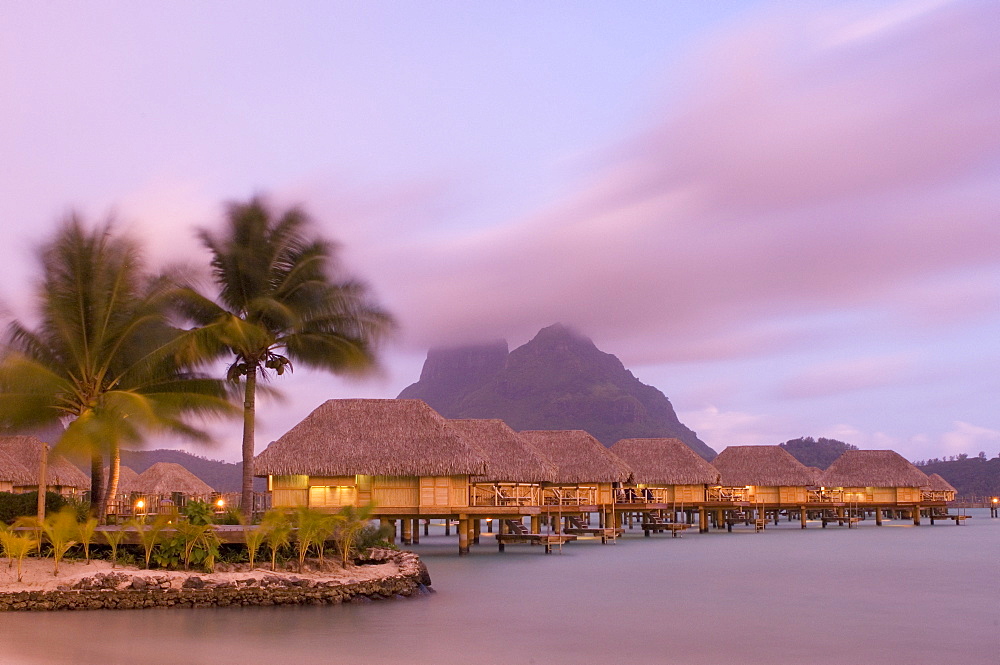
{"x": 518, "y": 534}
{"x": 578, "y": 527}
{"x": 959, "y": 519}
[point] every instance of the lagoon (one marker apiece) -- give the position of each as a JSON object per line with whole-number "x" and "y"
{"x": 887, "y": 595}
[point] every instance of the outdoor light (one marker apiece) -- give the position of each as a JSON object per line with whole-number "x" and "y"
{"x": 995, "y": 500}
{"x": 221, "y": 502}
{"x": 140, "y": 504}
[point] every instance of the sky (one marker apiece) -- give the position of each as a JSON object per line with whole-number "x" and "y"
{"x": 782, "y": 215}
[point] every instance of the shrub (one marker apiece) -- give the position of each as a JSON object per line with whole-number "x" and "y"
{"x": 198, "y": 512}
{"x": 13, "y": 506}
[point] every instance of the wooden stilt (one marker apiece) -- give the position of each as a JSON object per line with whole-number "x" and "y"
{"x": 427, "y": 527}
{"x": 477, "y": 528}
{"x": 407, "y": 528}
{"x": 916, "y": 515}
{"x": 878, "y": 517}
{"x": 536, "y": 524}
{"x": 803, "y": 516}
{"x": 463, "y": 534}
{"x": 702, "y": 520}
{"x": 416, "y": 531}
{"x": 447, "y": 527}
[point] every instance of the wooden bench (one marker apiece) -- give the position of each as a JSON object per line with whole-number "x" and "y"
{"x": 959, "y": 519}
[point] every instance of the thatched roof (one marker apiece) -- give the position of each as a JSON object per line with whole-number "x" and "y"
{"x": 817, "y": 474}
{"x": 27, "y": 451}
{"x": 509, "y": 457}
{"x": 385, "y": 437}
{"x": 664, "y": 462}
{"x": 127, "y": 479}
{"x": 939, "y": 484}
{"x": 765, "y": 466}
{"x": 873, "y": 468}
{"x": 14, "y": 472}
{"x": 168, "y": 477}
{"x": 579, "y": 457}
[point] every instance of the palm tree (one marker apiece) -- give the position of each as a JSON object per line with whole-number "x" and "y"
{"x": 278, "y": 302}
{"x": 103, "y": 358}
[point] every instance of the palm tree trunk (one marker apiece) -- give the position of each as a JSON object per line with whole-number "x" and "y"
{"x": 246, "y": 497}
{"x": 43, "y": 472}
{"x": 96, "y": 483}
{"x": 114, "y": 472}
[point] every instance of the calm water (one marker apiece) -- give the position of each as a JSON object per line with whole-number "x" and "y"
{"x": 896, "y": 594}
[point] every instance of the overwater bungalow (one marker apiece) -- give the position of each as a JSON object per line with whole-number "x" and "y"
{"x": 587, "y": 475}
{"x": 938, "y": 490}
{"x": 514, "y": 470}
{"x": 398, "y": 455}
{"x": 768, "y": 478}
{"x": 877, "y": 480}
{"x": 668, "y": 477}
{"x": 62, "y": 477}
{"x": 665, "y": 471}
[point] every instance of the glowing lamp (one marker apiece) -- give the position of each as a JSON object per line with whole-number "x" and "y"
{"x": 140, "y": 504}
{"x": 220, "y": 503}
{"x": 996, "y": 500}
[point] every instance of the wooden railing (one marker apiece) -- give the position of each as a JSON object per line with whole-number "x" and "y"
{"x": 824, "y": 495}
{"x": 569, "y": 496}
{"x": 728, "y": 494}
{"x": 505, "y": 494}
{"x": 937, "y": 495}
{"x": 642, "y": 495}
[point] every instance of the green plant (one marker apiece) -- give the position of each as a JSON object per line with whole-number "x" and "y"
{"x": 149, "y": 534}
{"x": 114, "y": 538}
{"x": 351, "y": 522}
{"x": 278, "y": 532}
{"x": 254, "y": 537}
{"x": 197, "y": 543}
{"x": 313, "y": 528}
{"x": 85, "y": 529}
{"x": 16, "y": 546}
{"x": 231, "y": 516}
{"x": 198, "y": 512}
{"x": 60, "y": 530}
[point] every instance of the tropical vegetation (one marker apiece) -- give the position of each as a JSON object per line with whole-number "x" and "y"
{"x": 104, "y": 357}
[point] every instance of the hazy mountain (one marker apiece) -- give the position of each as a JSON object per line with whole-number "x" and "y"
{"x": 820, "y": 453}
{"x": 222, "y": 476}
{"x": 558, "y": 380}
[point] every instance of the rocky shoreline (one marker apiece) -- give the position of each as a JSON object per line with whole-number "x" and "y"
{"x": 128, "y": 590}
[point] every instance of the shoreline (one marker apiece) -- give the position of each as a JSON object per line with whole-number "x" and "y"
{"x": 385, "y": 574}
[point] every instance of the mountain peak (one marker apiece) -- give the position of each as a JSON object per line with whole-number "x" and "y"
{"x": 557, "y": 380}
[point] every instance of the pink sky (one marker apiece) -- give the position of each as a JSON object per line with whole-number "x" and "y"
{"x": 783, "y": 215}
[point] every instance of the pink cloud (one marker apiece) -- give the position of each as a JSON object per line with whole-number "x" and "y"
{"x": 823, "y": 162}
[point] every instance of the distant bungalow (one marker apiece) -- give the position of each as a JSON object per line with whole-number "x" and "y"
{"x": 587, "y": 475}
{"x": 62, "y": 477}
{"x": 768, "y": 478}
{"x": 668, "y": 476}
{"x": 877, "y": 479}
